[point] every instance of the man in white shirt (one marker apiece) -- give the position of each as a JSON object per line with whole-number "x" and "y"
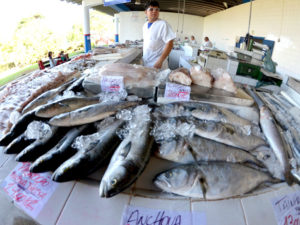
{"x": 158, "y": 38}
{"x": 206, "y": 45}
{"x": 193, "y": 40}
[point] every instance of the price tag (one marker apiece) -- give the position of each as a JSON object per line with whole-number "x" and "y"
{"x": 287, "y": 209}
{"x": 133, "y": 215}
{"x": 112, "y": 83}
{"x": 30, "y": 191}
{"x": 177, "y": 92}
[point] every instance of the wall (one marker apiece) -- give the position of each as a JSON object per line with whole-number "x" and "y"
{"x": 131, "y": 25}
{"x": 277, "y": 20}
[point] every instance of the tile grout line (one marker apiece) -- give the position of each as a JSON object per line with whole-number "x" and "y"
{"x": 65, "y": 203}
{"x": 244, "y": 213}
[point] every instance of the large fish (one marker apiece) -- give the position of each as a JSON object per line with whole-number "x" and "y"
{"x": 274, "y": 138}
{"x": 90, "y": 113}
{"x": 128, "y": 161}
{"x": 18, "y": 144}
{"x": 86, "y": 161}
{"x": 65, "y": 105}
{"x": 18, "y": 128}
{"x": 41, "y": 145}
{"x": 59, "y": 153}
{"x": 213, "y": 180}
{"x": 191, "y": 149}
{"x": 46, "y": 96}
{"x": 227, "y": 135}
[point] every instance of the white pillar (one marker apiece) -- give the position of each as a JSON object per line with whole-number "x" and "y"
{"x": 117, "y": 28}
{"x": 86, "y": 27}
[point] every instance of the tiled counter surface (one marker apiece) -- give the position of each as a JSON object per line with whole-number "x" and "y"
{"x": 79, "y": 203}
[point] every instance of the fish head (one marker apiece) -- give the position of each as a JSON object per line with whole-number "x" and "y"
{"x": 112, "y": 183}
{"x": 173, "y": 180}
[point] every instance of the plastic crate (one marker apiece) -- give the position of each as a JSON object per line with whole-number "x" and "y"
{"x": 249, "y": 70}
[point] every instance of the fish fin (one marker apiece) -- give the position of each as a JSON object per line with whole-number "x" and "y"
{"x": 126, "y": 149}
{"x": 289, "y": 178}
{"x": 204, "y": 186}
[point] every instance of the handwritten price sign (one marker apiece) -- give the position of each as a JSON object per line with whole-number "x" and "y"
{"x": 30, "y": 191}
{"x": 112, "y": 83}
{"x": 177, "y": 92}
{"x": 287, "y": 209}
{"x": 142, "y": 216}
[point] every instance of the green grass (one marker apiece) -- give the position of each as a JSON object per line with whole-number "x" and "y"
{"x": 4, "y": 80}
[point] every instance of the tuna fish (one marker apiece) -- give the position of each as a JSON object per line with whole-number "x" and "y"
{"x": 58, "y": 154}
{"x": 86, "y": 161}
{"x": 211, "y": 181}
{"x": 90, "y": 113}
{"x": 18, "y": 144}
{"x": 64, "y": 105}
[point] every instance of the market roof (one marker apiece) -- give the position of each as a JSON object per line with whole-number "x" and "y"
{"x": 191, "y": 7}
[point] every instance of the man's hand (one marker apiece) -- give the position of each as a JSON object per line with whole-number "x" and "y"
{"x": 158, "y": 64}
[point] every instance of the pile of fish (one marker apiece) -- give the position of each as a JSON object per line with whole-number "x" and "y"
{"x": 217, "y": 152}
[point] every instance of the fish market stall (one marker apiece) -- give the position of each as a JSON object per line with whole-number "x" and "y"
{"x": 123, "y": 143}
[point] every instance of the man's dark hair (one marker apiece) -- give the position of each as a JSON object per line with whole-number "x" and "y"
{"x": 152, "y": 3}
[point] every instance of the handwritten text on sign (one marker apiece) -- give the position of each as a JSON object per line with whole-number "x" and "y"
{"x": 287, "y": 209}
{"x": 112, "y": 83}
{"x": 142, "y": 216}
{"x": 30, "y": 191}
{"x": 177, "y": 92}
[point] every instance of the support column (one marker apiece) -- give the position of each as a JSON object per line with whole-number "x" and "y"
{"x": 86, "y": 28}
{"x": 117, "y": 28}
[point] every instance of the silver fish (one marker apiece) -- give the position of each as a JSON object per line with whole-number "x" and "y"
{"x": 65, "y": 105}
{"x": 191, "y": 149}
{"x": 211, "y": 181}
{"x": 128, "y": 161}
{"x": 90, "y": 113}
{"x": 227, "y": 135}
{"x": 85, "y": 161}
{"x": 46, "y": 96}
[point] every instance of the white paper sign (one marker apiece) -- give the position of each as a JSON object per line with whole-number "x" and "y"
{"x": 30, "y": 191}
{"x": 177, "y": 92}
{"x": 287, "y": 209}
{"x": 133, "y": 215}
{"x": 112, "y": 83}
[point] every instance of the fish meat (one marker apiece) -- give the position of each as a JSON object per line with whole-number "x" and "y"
{"x": 274, "y": 138}
{"x": 86, "y": 161}
{"x": 181, "y": 76}
{"x": 59, "y": 153}
{"x": 211, "y": 181}
{"x": 41, "y": 145}
{"x": 91, "y": 113}
{"x": 191, "y": 149}
{"x": 223, "y": 80}
{"x": 129, "y": 159}
{"x": 227, "y": 135}
{"x": 201, "y": 77}
{"x": 46, "y": 96}
{"x": 65, "y": 105}
{"x": 18, "y": 144}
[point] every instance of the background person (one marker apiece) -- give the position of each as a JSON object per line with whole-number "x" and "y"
{"x": 206, "y": 45}
{"x": 51, "y": 60}
{"x": 158, "y": 38}
{"x": 193, "y": 40}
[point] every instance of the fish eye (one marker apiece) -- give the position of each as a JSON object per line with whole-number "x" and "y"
{"x": 169, "y": 174}
{"x": 114, "y": 182}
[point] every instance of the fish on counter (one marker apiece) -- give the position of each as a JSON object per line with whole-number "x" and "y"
{"x": 46, "y": 96}
{"x": 91, "y": 113}
{"x": 129, "y": 159}
{"x": 18, "y": 144}
{"x": 227, "y": 135}
{"x": 65, "y": 105}
{"x": 195, "y": 148}
{"x": 201, "y": 76}
{"x": 87, "y": 160}
{"x": 274, "y": 138}
{"x": 52, "y": 159}
{"x": 181, "y": 76}
{"x": 211, "y": 181}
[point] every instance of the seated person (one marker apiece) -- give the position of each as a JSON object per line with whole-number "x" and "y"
{"x": 51, "y": 60}
{"x": 62, "y": 56}
{"x": 206, "y": 45}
